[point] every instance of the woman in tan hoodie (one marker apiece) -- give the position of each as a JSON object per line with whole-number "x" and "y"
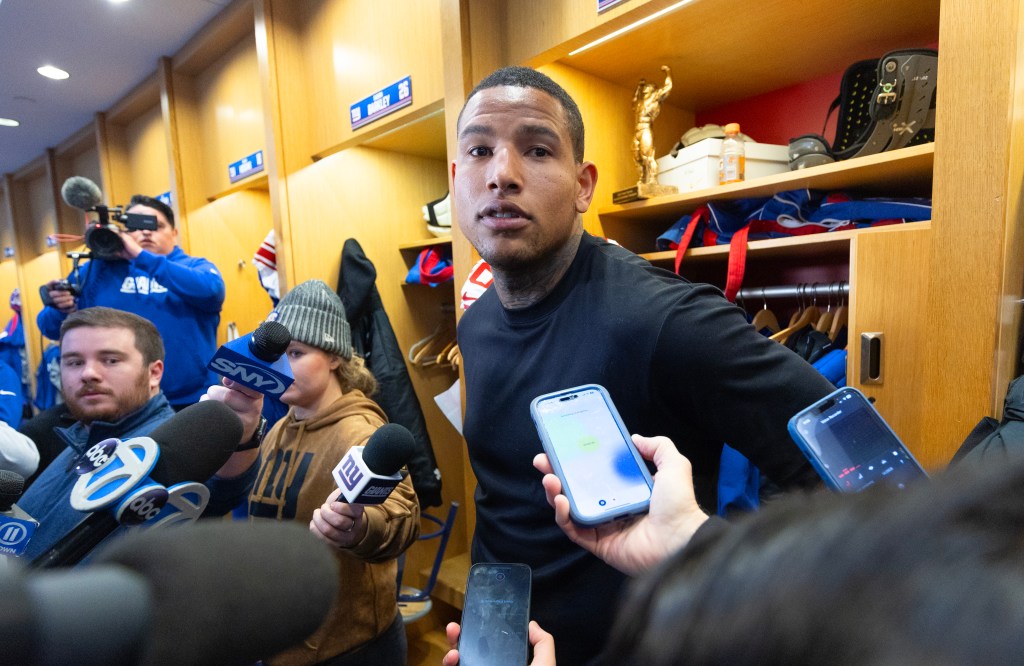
{"x": 329, "y": 414}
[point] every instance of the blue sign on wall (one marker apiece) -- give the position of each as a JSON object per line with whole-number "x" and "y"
{"x": 380, "y": 104}
{"x": 606, "y": 4}
{"x": 165, "y": 198}
{"x": 246, "y": 166}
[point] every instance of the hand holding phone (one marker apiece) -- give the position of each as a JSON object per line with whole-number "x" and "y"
{"x": 496, "y": 616}
{"x": 850, "y": 444}
{"x": 591, "y": 452}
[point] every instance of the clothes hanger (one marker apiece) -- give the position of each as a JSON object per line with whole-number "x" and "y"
{"x": 442, "y": 356}
{"x": 764, "y": 318}
{"x": 807, "y": 316}
{"x": 430, "y": 350}
{"x": 839, "y": 321}
{"x": 419, "y": 348}
{"x": 824, "y": 322}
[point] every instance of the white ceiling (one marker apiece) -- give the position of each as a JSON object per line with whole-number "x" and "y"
{"x": 107, "y": 48}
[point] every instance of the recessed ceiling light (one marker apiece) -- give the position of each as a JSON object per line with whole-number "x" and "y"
{"x": 9, "y": 122}
{"x": 51, "y": 72}
{"x": 117, "y": 2}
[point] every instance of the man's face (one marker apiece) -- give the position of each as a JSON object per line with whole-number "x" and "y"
{"x": 161, "y": 241}
{"x": 518, "y": 190}
{"x": 102, "y": 374}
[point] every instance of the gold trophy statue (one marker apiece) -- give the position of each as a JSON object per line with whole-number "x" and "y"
{"x": 646, "y": 106}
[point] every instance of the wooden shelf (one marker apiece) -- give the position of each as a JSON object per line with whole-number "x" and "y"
{"x": 257, "y": 182}
{"x": 794, "y": 248}
{"x": 908, "y": 169}
{"x": 419, "y": 132}
{"x": 710, "y": 69}
{"x": 427, "y": 242}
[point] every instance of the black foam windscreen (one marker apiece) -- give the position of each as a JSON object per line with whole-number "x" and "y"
{"x": 228, "y": 593}
{"x": 195, "y": 442}
{"x": 269, "y": 341}
{"x": 12, "y": 485}
{"x": 80, "y": 192}
{"x": 389, "y": 449}
{"x": 17, "y": 631}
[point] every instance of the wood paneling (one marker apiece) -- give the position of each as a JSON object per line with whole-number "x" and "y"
{"x": 974, "y": 224}
{"x": 348, "y": 53}
{"x": 229, "y": 114}
{"x": 224, "y": 232}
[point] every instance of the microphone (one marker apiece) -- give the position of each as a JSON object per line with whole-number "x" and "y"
{"x": 16, "y": 526}
{"x": 256, "y": 360}
{"x": 193, "y": 444}
{"x": 80, "y": 192}
{"x": 213, "y": 593}
{"x": 368, "y": 474}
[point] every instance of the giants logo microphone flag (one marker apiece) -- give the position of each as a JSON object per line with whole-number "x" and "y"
{"x": 368, "y": 474}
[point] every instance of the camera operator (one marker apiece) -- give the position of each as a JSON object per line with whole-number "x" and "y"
{"x": 152, "y": 277}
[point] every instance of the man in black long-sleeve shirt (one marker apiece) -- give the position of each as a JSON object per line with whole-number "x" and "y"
{"x": 568, "y": 309}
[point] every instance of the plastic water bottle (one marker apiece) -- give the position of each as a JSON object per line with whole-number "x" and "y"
{"x": 733, "y": 162}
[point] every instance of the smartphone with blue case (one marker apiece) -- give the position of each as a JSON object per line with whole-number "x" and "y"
{"x": 602, "y": 473}
{"x": 850, "y": 444}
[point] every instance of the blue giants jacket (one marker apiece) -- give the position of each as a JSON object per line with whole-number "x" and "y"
{"x": 181, "y": 295}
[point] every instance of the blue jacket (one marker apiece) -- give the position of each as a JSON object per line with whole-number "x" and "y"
{"x": 181, "y": 295}
{"x": 48, "y": 499}
{"x": 11, "y": 397}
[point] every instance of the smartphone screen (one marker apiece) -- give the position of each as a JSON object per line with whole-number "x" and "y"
{"x": 496, "y": 616}
{"x": 851, "y": 445}
{"x": 591, "y": 451}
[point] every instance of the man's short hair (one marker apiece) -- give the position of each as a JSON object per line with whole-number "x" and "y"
{"x": 143, "y": 200}
{"x": 147, "y": 338}
{"x": 525, "y": 77}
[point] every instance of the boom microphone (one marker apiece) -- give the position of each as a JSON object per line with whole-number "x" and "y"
{"x": 80, "y": 192}
{"x": 256, "y": 360}
{"x": 16, "y": 526}
{"x": 194, "y": 443}
{"x": 368, "y": 474}
{"x": 213, "y": 593}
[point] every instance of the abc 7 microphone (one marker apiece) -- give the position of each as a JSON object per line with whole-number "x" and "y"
{"x": 137, "y": 480}
{"x": 257, "y": 360}
{"x": 368, "y": 474}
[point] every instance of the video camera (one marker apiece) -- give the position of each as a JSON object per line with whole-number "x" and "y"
{"x": 103, "y": 237}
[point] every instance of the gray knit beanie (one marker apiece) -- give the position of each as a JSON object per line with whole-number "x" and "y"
{"x": 315, "y": 316}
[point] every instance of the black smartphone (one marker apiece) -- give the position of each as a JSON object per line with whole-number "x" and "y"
{"x": 496, "y": 616}
{"x": 850, "y": 444}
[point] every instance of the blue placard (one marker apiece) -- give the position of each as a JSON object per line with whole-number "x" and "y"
{"x": 8, "y": 252}
{"x": 246, "y": 166}
{"x": 51, "y": 241}
{"x": 380, "y": 104}
{"x": 607, "y": 4}
{"x": 165, "y": 197}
